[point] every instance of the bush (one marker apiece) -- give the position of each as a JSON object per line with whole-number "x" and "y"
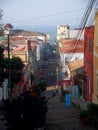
{"x": 90, "y": 115}
{"x": 26, "y": 112}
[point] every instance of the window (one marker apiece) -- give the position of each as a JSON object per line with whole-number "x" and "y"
{"x": 67, "y": 59}
{"x": 76, "y": 58}
{"x": 58, "y": 27}
{"x": 85, "y": 42}
{"x": 89, "y": 85}
{"x": 90, "y": 45}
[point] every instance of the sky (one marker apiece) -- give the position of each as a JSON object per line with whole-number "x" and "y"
{"x": 42, "y": 12}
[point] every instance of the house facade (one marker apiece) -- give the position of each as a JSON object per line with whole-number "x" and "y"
{"x": 29, "y": 48}
{"x": 95, "y": 61}
{"x": 88, "y": 62}
{"x": 62, "y": 32}
{"x": 75, "y": 33}
{"x": 70, "y": 50}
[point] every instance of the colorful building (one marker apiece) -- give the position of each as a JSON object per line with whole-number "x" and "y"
{"x": 70, "y": 50}
{"x": 88, "y": 62}
{"x": 95, "y": 61}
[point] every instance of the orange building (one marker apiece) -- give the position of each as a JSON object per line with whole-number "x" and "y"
{"x": 95, "y": 61}
{"x": 88, "y": 62}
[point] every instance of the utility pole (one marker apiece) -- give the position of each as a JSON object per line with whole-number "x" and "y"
{"x": 8, "y": 64}
{"x": 7, "y": 29}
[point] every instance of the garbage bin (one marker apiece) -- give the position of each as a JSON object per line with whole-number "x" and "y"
{"x": 67, "y": 99}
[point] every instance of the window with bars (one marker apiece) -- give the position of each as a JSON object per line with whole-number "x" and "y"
{"x": 89, "y": 85}
{"x": 90, "y": 45}
{"x": 85, "y": 42}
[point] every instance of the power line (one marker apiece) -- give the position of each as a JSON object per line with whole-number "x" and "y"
{"x": 89, "y": 10}
{"x": 46, "y": 16}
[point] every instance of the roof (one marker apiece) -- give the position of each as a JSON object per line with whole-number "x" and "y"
{"x": 72, "y": 46}
{"x": 63, "y": 25}
{"x": 16, "y": 49}
{"x": 20, "y": 46}
{"x": 8, "y": 25}
{"x": 74, "y": 65}
{"x": 90, "y": 28}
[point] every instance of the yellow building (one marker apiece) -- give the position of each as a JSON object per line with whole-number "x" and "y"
{"x": 95, "y": 61}
{"x": 21, "y": 54}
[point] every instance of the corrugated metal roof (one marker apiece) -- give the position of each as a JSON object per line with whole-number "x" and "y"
{"x": 74, "y": 65}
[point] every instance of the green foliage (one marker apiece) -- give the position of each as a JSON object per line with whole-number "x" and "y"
{"x": 90, "y": 115}
{"x": 14, "y": 63}
{"x": 27, "y": 112}
{"x": 14, "y": 66}
{"x": 77, "y": 78}
{"x": 1, "y": 53}
{"x": 80, "y": 88}
{"x": 1, "y": 64}
{"x": 42, "y": 85}
{"x": 78, "y": 81}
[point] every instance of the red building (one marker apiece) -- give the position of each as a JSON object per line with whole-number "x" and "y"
{"x": 88, "y": 62}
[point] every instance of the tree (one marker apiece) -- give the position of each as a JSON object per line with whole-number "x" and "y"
{"x": 78, "y": 77}
{"x": 14, "y": 69}
{"x": 1, "y": 26}
{"x": 1, "y": 65}
{"x": 27, "y": 112}
{"x": 15, "y": 63}
{"x": 42, "y": 85}
{"x": 89, "y": 116}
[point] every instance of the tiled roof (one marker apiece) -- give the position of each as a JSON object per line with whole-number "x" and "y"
{"x": 72, "y": 46}
{"x": 20, "y": 45}
{"x": 74, "y": 65}
{"x": 90, "y": 28}
{"x": 14, "y": 41}
{"x": 19, "y": 48}
{"x": 16, "y": 49}
{"x": 17, "y": 42}
{"x": 8, "y": 25}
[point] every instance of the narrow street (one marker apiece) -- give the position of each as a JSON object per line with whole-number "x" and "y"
{"x": 60, "y": 117}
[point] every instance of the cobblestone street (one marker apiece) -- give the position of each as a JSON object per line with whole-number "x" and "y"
{"x": 60, "y": 117}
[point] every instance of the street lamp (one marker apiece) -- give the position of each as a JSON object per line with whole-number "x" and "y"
{"x": 7, "y": 28}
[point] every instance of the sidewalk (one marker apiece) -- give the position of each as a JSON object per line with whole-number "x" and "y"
{"x": 62, "y": 117}
{"x": 79, "y": 103}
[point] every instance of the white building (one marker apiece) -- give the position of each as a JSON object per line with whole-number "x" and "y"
{"x": 70, "y": 50}
{"x": 62, "y": 32}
